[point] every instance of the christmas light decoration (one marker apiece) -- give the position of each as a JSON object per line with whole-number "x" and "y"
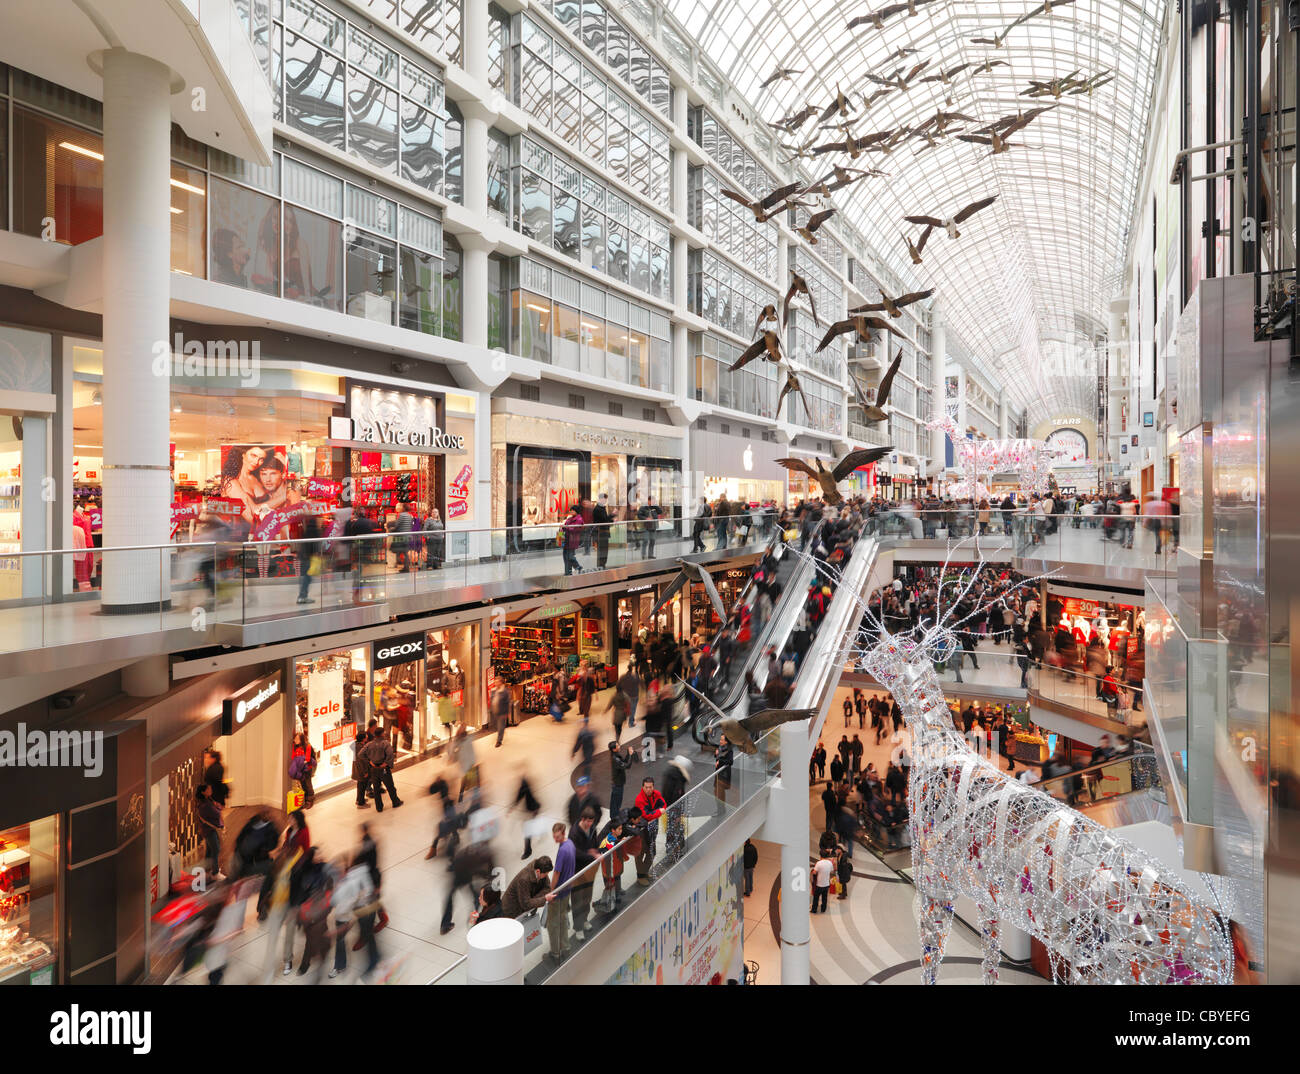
{"x": 1107, "y": 912}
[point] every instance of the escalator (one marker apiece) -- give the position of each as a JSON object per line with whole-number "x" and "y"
{"x": 794, "y": 574}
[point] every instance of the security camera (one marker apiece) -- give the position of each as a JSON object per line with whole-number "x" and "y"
{"x": 401, "y": 368}
{"x": 66, "y": 699}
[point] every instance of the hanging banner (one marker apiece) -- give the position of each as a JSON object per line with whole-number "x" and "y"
{"x": 325, "y": 711}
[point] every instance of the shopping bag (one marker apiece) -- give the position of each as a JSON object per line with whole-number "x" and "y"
{"x": 536, "y": 828}
{"x": 483, "y": 824}
{"x": 313, "y": 567}
{"x": 295, "y": 797}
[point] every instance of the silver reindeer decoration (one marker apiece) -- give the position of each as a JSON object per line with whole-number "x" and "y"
{"x": 1107, "y": 912}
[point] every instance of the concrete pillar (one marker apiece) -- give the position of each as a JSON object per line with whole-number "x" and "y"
{"x": 480, "y": 541}
{"x": 149, "y": 677}
{"x": 1004, "y": 415}
{"x": 475, "y": 156}
{"x": 474, "y": 30}
{"x": 494, "y": 952}
{"x": 474, "y": 291}
{"x": 796, "y": 849}
{"x": 680, "y": 194}
{"x": 938, "y": 360}
{"x": 136, "y": 287}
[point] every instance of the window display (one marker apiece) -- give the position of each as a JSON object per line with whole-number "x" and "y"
{"x": 28, "y": 902}
{"x": 451, "y": 678}
{"x": 331, "y": 703}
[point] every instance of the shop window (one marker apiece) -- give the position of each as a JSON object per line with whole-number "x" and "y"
{"x": 568, "y": 337}
{"x": 420, "y": 291}
{"x": 451, "y": 290}
{"x": 245, "y": 247}
{"x": 638, "y": 359}
{"x": 29, "y": 870}
{"x": 593, "y": 346}
{"x": 58, "y": 173}
{"x": 371, "y": 278}
{"x": 531, "y": 324}
{"x": 188, "y": 215}
{"x": 313, "y": 259}
{"x": 617, "y": 342}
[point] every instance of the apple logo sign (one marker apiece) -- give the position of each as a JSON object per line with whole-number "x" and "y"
{"x": 748, "y": 458}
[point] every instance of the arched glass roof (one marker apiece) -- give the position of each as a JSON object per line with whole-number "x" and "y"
{"x": 1029, "y": 282}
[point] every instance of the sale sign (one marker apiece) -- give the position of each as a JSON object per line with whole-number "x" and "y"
{"x": 340, "y": 736}
{"x": 458, "y": 493}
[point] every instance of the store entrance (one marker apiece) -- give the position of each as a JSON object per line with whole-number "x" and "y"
{"x": 396, "y": 689}
{"x": 541, "y": 485}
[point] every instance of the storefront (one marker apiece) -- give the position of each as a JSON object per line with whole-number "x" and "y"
{"x": 29, "y": 869}
{"x": 1107, "y": 632}
{"x": 534, "y": 643}
{"x": 453, "y": 695}
{"x": 730, "y": 583}
{"x": 541, "y": 467}
{"x": 742, "y": 468}
{"x": 26, "y": 410}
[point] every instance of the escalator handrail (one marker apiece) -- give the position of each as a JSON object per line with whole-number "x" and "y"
{"x": 1146, "y": 753}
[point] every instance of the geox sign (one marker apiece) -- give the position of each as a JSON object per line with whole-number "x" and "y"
{"x": 398, "y": 650}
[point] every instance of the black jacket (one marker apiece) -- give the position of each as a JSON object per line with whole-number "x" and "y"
{"x": 674, "y": 784}
{"x": 751, "y": 855}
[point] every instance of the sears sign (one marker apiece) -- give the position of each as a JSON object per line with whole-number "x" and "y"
{"x": 394, "y": 651}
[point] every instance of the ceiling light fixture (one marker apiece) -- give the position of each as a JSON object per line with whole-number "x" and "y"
{"x": 82, "y": 150}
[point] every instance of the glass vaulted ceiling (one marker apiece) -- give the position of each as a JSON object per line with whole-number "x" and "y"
{"x": 1028, "y": 284}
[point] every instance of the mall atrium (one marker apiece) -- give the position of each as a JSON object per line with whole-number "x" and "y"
{"x": 813, "y": 477}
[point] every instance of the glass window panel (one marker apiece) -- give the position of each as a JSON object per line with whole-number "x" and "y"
{"x": 569, "y": 14}
{"x": 640, "y": 263}
{"x": 368, "y": 54}
{"x": 421, "y": 291}
{"x": 639, "y": 165}
{"x": 372, "y": 278}
{"x": 312, "y": 188}
{"x": 245, "y": 244}
{"x": 313, "y": 90}
{"x": 593, "y": 130}
{"x": 53, "y": 180}
{"x": 451, "y": 290}
{"x": 566, "y": 65}
{"x": 498, "y": 179}
{"x": 535, "y": 88}
{"x": 423, "y": 20}
{"x": 661, "y": 365}
{"x": 568, "y": 115}
{"x": 421, "y": 147}
{"x": 567, "y": 337}
{"x": 416, "y": 229}
{"x": 616, "y": 153}
{"x": 313, "y": 259}
{"x": 535, "y": 207}
{"x": 565, "y": 236}
{"x": 452, "y": 152}
{"x": 616, "y": 343}
{"x": 638, "y": 359}
{"x": 593, "y": 239}
{"x": 315, "y": 22}
{"x": 189, "y": 216}
{"x": 660, "y": 285}
{"x": 372, "y": 212}
{"x": 617, "y": 263}
{"x": 660, "y": 88}
{"x": 638, "y": 63}
{"x": 616, "y": 46}
{"x": 421, "y": 86}
{"x": 535, "y": 39}
{"x": 593, "y": 345}
{"x": 593, "y": 26}
{"x": 531, "y": 326}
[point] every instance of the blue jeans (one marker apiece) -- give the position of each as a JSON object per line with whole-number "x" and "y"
{"x": 571, "y": 560}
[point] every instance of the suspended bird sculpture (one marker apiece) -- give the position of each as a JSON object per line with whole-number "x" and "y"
{"x": 898, "y": 80}
{"x": 839, "y": 177}
{"x": 893, "y": 306}
{"x": 1089, "y": 84}
{"x": 950, "y": 223}
{"x": 781, "y": 74}
{"x": 876, "y": 19}
{"x": 875, "y": 412}
{"x": 767, "y": 346}
{"x": 799, "y": 286}
{"x": 795, "y": 120}
{"x": 741, "y": 731}
{"x": 808, "y": 230}
{"x": 840, "y": 104}
{"x": 997, "y": 40}
{"x": 1044, "y": 8}
{"x": 914, "y": 248}
{"x": 854, "y": 147}
{"x": 1053, "y": 87}
{"x": 769, "y": 206}
{"x": 986, "y": 68}
{"x": 828, "y": 480}
{"x": 945, "y": 78}
{"x": 767, "y": 315}
{"x": 861, "y": 324}
{"x": 792, "y": 385}
{"x": 691, "y": 572}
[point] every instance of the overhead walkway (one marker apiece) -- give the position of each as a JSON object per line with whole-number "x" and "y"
{"x": 715, "y": 816}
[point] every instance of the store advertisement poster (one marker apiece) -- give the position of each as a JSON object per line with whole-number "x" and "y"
{"x": 325, "y": 714}
{"x": 701, "y": 942}
{"x": 458, "y": 488}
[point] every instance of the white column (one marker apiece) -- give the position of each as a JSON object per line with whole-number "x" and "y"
{"x": 679, "y": 159}
{"x": 494, "y": 952}
{"x": 938, "y": 360}
{"x": 1004, "y": 416}
{"x": 482, "y": 545}
{"x": 474, "y": 30}
{"x": 796, "y": 919}
{"x": 474, "y": 284}
{"x": 136, "y": 287}
{"x": 475, "y": 154}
